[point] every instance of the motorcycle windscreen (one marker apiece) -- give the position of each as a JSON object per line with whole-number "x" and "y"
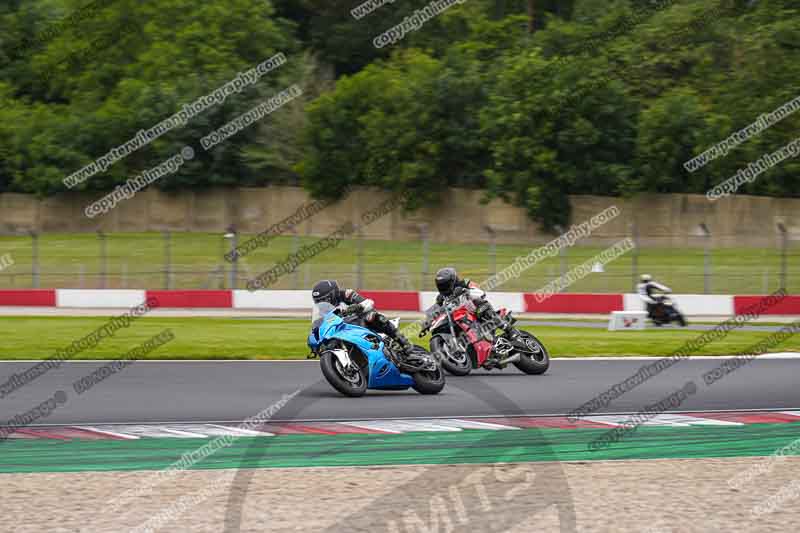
{"x": 319, "y": 311}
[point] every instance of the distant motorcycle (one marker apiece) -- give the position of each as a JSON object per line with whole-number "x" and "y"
{"x": 665, "y": 311}
{"x": 462, "y": 342}
{"x": 354, "y": 358}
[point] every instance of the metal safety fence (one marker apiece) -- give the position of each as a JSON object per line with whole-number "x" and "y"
{"x": 196, "y": 261}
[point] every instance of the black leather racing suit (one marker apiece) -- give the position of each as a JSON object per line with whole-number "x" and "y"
{"x": 483, "y": 309}
{"x": 372, "y": 319}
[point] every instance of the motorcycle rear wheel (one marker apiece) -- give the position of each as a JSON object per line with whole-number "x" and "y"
{"x": 428, "y": 381}
{"x": 533, "y": 363}
{"x": 353, "y": 385}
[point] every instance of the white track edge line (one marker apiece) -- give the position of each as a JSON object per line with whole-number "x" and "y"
{"x": 445, "y": 417}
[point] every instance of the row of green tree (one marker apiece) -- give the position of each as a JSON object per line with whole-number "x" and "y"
{"x": 530, "y": 100}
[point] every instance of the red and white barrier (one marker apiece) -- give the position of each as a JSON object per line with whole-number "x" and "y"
{"x": 575, "y": 303}
{"x": 28, "y": 298}
{"x": 513, "y": 301}
{"x": 193, "y": 299}
{"x": 788, "y": 306}
{"x": 100, "y": 298}
{"x": 394, "y": 300}
{"x": 289, "y": 300}
{"x": 300, "y": 300}
{"x": 690, "y": 304}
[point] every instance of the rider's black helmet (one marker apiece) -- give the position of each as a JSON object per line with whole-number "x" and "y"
{"x": 446, "y": 280}
{"x": 325, "y": 291}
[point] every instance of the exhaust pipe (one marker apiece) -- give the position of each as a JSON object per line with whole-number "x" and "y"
{"x": 513, "y": 359}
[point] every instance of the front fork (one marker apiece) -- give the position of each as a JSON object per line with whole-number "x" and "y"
{"x": 343, "y": 357}
{"x": 341, "y": 353}
{"x": 452, "y": 342}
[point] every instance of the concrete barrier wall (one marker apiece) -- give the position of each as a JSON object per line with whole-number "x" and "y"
{"x": 659, "y": 220}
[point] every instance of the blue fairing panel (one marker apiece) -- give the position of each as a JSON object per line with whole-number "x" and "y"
{"x": 383, "y": 374}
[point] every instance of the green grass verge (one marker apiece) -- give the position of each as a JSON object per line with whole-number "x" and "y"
{"x": 238, "y": 338}
{"x": 138, "y": 260}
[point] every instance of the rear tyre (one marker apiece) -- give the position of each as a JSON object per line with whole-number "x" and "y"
{"x": 428, "y": 381}
{"x": 682, "y": 320}
{"x": 535, "y": 360}
{"x": 349, "y": 383}
{"x": 457, "y": 364}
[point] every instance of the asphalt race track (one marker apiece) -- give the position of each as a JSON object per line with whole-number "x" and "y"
{"x": 231, "y": 391}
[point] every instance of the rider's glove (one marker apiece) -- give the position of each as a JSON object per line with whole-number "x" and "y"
{"x": 367, "y": 305}
{"x": 352, "y": 309}
{"x": 426, "y": 325}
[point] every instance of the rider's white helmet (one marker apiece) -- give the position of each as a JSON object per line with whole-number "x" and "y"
{"x": 646, "y": 277}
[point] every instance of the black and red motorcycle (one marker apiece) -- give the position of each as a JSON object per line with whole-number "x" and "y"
{"x": 462, "y": 342}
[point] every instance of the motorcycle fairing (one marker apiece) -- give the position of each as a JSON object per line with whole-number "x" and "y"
{"x": 383, "y": 374}
{"x": 468, "y": 322}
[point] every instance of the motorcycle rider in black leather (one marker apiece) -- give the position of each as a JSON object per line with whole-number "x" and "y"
{"x": 448, "y": 283}
{"x": 329, "y": 291}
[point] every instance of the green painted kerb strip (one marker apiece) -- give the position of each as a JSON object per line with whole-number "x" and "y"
{"x": 474, "y": 446}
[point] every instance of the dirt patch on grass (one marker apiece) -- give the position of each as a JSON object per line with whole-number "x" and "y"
{"x": 656, "y": 496}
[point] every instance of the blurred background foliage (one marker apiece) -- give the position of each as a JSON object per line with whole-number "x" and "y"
{"x": 529, "y": 100}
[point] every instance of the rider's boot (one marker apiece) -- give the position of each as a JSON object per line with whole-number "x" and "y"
{"x": 487, "y": 315}
{"x": 406, "y": 352}
{"x": 405, "y": 344}
{"x": 406, "y": 348}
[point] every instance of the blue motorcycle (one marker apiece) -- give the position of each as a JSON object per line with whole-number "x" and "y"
{"x": 354, "y": 358}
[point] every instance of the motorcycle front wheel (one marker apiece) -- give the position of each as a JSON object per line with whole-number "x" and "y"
{"x": 350, "y": 382}
{"x": 534, "y": 359}
{"x": 458, "y": 363}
